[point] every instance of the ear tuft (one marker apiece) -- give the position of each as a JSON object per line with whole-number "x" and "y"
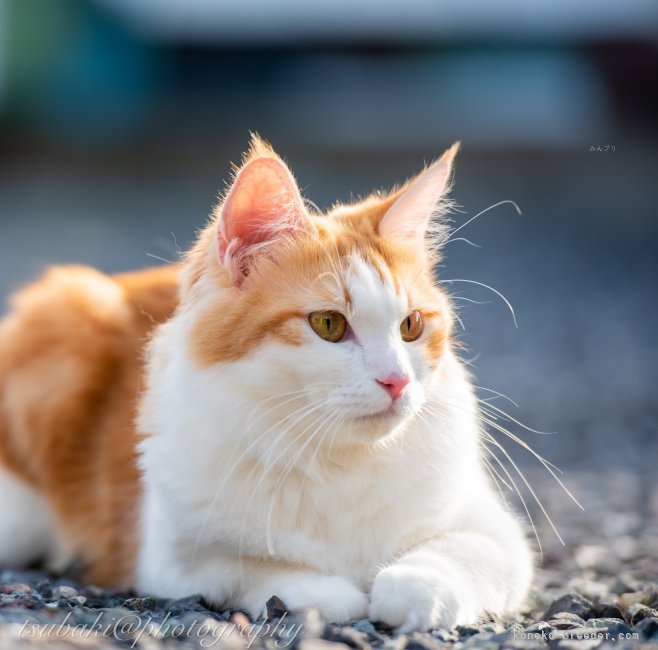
{"x": 259, "y": 148}
{"x": 420, "y": 201}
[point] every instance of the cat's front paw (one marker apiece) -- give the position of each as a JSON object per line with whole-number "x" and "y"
{"x": 413, "y": 598}
{"x": 337, "y": 599}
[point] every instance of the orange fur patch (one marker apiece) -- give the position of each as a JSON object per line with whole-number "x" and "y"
{"x": 70, "y": 372}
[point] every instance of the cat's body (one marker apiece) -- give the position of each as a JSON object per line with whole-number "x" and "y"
{"x": 305, "y": 427}
{"x": 70, "y": 373}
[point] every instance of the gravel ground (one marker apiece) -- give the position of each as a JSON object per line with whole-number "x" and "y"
{"x": 598, "y": 590}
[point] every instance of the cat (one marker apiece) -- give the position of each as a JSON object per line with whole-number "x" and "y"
{"x": 284, "y": 413}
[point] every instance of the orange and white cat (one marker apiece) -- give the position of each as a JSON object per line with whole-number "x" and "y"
{"x": 284, "y": 413}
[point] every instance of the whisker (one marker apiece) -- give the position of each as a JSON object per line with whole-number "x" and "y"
{"x": 547, "y": 465}
{"x": 524, "y": 426}
{"x": 498, "y": 394}
{"x": 527, "y": 484}
{"x": 474, "y": 302}
{"x": 466, "y": 241}
{"x": 518, "y": 492}
{"x": 479, "y": 214}
{"x": 486, "y": 286}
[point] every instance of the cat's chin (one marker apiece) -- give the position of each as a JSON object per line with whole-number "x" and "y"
{"x": 378, "y": 425}
{"x": 389, "y": 413}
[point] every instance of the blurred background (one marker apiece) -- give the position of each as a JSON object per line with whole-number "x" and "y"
{"x": 119, "y": 120}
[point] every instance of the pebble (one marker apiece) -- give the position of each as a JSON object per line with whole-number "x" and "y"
{"x": 648, "y": 628}
{"x": 647, "y": 596}
{"x": 572, "y": 603}
{"x": 565, "y": 620}
{"x": 364, "y": 625}
{"x": 275, "y": 608}
{"x": 539, "y": 627}
{"x": 607, "y": 610}
{"x": 348, "y": 636}
{"x": 140, "y": 604}
{"x": 619, "y": 628}
{"x": 603, "y": 622}
{"x": 638, "y": 612}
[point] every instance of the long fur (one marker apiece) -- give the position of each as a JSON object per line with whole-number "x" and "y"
{"x": 238, "y": 454}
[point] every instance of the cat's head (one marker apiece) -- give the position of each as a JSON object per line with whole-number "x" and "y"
{"x": 337, "y": 315}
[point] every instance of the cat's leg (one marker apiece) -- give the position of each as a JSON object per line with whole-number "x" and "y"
{"x": 455, "y": 579}
{"x": 26, "y": 529}
{"x": 337, "y": 599}
{"x": 249, "y": 584}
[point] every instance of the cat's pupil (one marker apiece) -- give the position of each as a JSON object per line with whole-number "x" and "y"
{"x": 327, "y": 322}
{"x": 408, "y": 322}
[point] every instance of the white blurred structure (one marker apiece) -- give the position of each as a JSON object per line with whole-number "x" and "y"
{"x": 304, "y": 21}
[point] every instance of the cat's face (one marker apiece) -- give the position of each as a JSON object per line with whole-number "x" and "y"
{"x": 333, "y": 319}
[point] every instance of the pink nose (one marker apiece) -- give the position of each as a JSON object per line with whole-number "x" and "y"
{"x": 394, "y": 384}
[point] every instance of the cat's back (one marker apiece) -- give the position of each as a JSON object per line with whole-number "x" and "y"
{"x": 70, "y": 375}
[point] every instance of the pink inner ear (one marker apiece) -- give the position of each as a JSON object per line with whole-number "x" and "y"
{"x": 264, "y": 200}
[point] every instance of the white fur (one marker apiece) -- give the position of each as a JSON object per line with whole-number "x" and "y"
{"x": 27, "y": 531}
{"x": 388, "y": 516}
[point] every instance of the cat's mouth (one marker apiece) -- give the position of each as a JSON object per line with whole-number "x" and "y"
{"x": 378, "y": 416}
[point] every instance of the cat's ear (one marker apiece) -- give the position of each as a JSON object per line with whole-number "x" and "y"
{"x": 419, "y": 202}
{"x": 263, "y": 205}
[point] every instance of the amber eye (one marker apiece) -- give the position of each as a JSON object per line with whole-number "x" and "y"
{"x": 328, "y": 325}
{"x": 412, "y": 326}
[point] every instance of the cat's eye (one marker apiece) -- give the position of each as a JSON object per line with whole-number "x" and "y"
{"x": 328, "y": 325}
{"x": 412, "y": 326}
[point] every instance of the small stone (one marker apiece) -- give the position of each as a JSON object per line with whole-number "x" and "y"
{"x": 422, "y": 641}
{"x": 18, "y": 589}
{"x": 64, "y": 592}
{"x": 365, "y": 626}
{"x": 607, "y": 609}
{"x": 445, "y": 635}
{"x": 539, "y": 628}
{"x": 618, "y": 629}
{"x": 467, "y": 630}
{"x": 648, "y": 628}
{"x": 638, "y": 612}
{"x": 571, "y": 603}
{"x": 565, "y": 621}
{"x": 240, "y": 620}
{"x": 501, "y": 638}
{"x": 603, "y": 622}
{"x": 93, "y": 590}
{"x": 395, "y": 643}
{"x": 194, "y": 603}
{"x": 44, "y": 588}
{"x": 28, "y": 602}
{"x": 482, "y": 641}
{"x": 346, "y": 635}
{"x": 146, "y": 604}
{"x": 310, "y": 621}
{"x": 275, "y": 608}
{"x": 494, "y": 628}
{"x": 647, "y": 596}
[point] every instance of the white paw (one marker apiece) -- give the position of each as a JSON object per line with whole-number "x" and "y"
{"x": 413, "y": 598}
{"x": 337, "y": 599}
